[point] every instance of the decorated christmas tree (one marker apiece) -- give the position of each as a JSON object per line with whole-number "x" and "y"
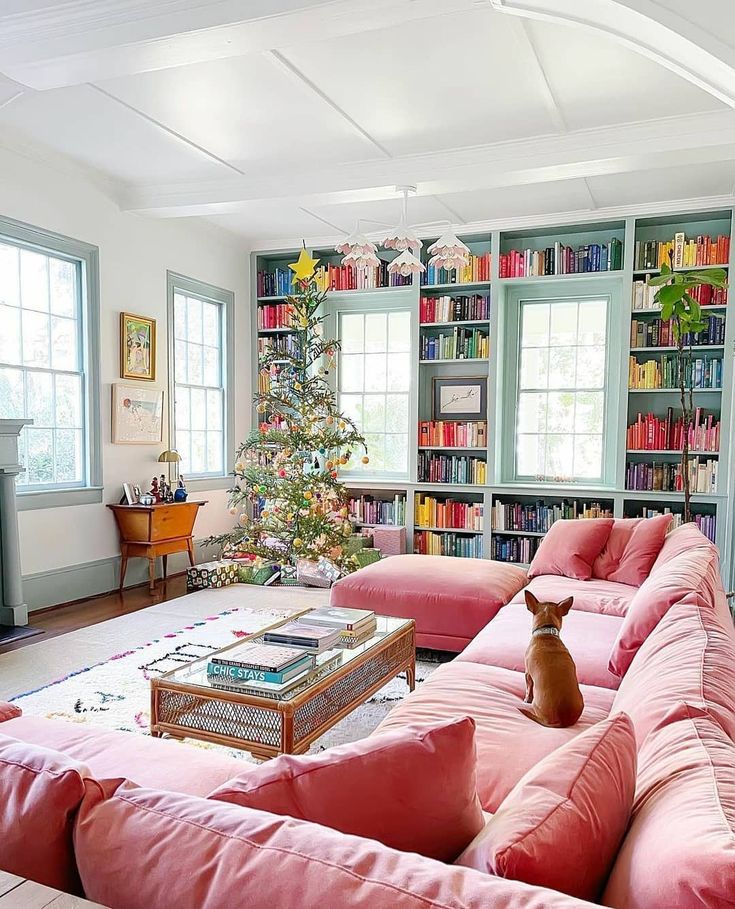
{"x": 288, "y": 496}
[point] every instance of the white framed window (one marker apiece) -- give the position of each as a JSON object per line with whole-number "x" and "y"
{"x": 373, "y": 385}
{"x": 200, "y": 315}
{"x": 560, "y": 401}
{"x": 48, "y": 360}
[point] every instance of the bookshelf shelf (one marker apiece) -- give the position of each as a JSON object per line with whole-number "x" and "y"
{"x": 429, "y": 288}
{"x": 656, "y": 311}
{"x": 669, "y": 451}
{"x": 459, "y": 360}
{"x": 278, "y": 299}
{"x": 452, "y": 324}
{"x": 462, "y": 530}
{"x": 702, "y": 347}
{"x": 277, "y": 331}
{"x": 452, "y": 448}
{"x": 672, "y": 391}
{"x": 518, "y": 533}
{"x": 657, "y": 271}
{"x": 574, "y": 276}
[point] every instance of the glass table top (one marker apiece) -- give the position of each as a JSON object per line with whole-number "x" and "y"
{"x": 327, "y": 663}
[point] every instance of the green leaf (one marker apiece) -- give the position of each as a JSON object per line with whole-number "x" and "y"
{"x": 667, "y": 311}
{"x": 670, "y": 294}
{"x": 666, "y": 269}
{"x": 659, "y": 280}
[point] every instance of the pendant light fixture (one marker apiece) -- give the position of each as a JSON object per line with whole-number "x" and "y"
{"x": 358, "y": 251}
{"x": 403, "y": 239}
{"x": 449, "y": 252}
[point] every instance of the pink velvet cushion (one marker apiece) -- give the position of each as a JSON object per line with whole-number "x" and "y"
{"x": 631, "y": 549}
{"x": 679, "y": 852}
{"x": 690, "y": 657}
{"x": 384, "y": 787}
{"x": 570, "y": 548}
{"x": 40, "y": 792}
{"x": 8, "y": 711}
{"x": 562, "y": 824}
{"x": 143, "y": 849}
{"x": 656, "y": 595}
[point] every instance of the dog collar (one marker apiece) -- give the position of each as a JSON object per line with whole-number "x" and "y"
{"x": 546, "y": 629}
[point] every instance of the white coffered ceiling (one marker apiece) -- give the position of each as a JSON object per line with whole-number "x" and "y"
{"x": 280, "y": 119}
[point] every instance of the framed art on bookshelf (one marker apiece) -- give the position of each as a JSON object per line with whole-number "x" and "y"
{"x": 459, "y": 397}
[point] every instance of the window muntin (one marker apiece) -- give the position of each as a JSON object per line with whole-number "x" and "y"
{"x": 42, "y": 363}
{"x": 199, "y": 384}
{"x": 373, "y": 385}
{"x": 560, "y": 402}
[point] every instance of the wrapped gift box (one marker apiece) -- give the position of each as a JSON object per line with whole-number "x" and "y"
{"x": 389, "y": 539}
{"x": 356, "y": 541}
{"x": 367, "y": 556}
{"x": 256, "y": 572}
{"x": 211, "y": 574}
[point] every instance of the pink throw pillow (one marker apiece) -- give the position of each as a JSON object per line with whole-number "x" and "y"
{"x": 40, "y": 792}
{"x": 562, "y": 824}
{"x": 570, "y": 548}
{"x": 413, "y": 789}
{"x": 631, "y": 549}
{"x": 653, "y": 599}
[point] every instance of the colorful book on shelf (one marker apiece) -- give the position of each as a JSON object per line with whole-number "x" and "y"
{"x": 454, "y": 308}
{"x": 447, "y": 514}
{"x": 561, "y": 259}
{"x": 660, "y": 333}
{"x": 340, "y": 617}
{"x": 452, "y": 434}
{"x": 680, "y": 252}
{"x": 477, "y": 269}
{"x": 442, "y": 468}
{"x": 366, "y": 509}
{"x": 315, "y": 638}
{"x": 247, "y": 674}
{"x": 259, "y": 656}
{"x": 653, "y": 433}
{"x": 701, "y": 373}
{"x": 446, "y": 543}
{"x": 662, "y": 476}
{"x": 460, "y": 344}
{"x": 538, "y": 516}
{"x": 644, "y": 296}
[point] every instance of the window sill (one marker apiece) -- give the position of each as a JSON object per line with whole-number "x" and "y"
{"x": 201, "y": 484}
{"x": 59, "y": 498}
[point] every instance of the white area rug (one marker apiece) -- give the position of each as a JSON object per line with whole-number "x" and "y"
{"x": 115, "y": 693}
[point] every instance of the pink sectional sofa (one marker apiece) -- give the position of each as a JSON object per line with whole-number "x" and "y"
{"x": 161, "y": 842}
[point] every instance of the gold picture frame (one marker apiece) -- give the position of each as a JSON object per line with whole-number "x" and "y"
{"x": 137, "y": 347}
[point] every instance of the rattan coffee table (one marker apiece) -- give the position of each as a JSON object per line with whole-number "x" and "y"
{"x": 185, "y": 704}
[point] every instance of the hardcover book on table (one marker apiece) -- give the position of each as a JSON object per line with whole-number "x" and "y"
{"x": 337, "y": 617}
{"x": 248, "y": 674}
{"x": 316, "y": 638}
{"x": 259, "y": 656}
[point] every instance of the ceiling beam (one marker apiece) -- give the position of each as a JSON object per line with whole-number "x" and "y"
{"x": 79, "y": 42}
{"x": 649, "y": 28}
{"x": 676, "y": 141}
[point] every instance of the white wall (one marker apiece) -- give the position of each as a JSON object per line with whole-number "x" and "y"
{"x": 134, "y": 255}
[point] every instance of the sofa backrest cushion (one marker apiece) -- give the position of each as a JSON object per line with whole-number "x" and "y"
{"x": 388, "y": 787}
{"x": 40, "y": 792}
{"x": 679, "y": 852}
{"x": 689, "y": 657}
{"x": 9, "y": 711}
{"x": 663, "y": 588}
{"x": 146, "y": 849}
{"x": 562, "y": 824}
{"x": 571, "y": 547}
{"x": 631, "y": 549}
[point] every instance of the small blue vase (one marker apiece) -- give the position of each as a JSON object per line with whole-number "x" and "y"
{"x": 180, "y": 494}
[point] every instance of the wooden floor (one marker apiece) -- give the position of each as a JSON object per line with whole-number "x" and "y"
{"x": 62, "y": 619}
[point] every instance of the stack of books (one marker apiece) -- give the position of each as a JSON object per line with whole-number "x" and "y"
{"x": 652, "y": 433}
{"x": 477, "y": 269}
{"x": 657, "y": 333}
{"x": 562, "y": 260}
{"x": 681, "y": 252}
{"x": 663, "y": 373}
{"x": 460, "y": 344}
{"x": 312, "y": 638}
{"x": 354, "y": 626}
{"x": 451, "y": 434}
{"x": 258, "y": 668}
{"x": 432, "y": 513}
{"x": 456, "y": 308}
{"x": 366, "y": 509}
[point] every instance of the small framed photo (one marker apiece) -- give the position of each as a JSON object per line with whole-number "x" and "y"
{"x": 137, "y": 347}
{"x": 137, "y": 415}
{"x": 459, "y": 398}
{"x": 129, "y": 494}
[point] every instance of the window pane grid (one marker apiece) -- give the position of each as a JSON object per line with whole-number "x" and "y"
{"x": 199, "y": 394}
{"x": 561, "y": 397}
{"x": 373, "y": 382}
{"x": 41, "y": 350}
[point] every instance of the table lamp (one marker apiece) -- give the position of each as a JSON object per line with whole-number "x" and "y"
{"x": 171, "y": 456}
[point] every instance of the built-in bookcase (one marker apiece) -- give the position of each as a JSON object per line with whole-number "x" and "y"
{"x": 448, "y": 467}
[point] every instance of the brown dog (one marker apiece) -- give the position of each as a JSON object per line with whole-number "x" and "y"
{"x": 552, "y": 689}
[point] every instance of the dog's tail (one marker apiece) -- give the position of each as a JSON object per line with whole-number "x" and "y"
{"x": 532, "y": 715}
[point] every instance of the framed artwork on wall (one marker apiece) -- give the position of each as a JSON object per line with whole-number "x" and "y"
{"x": 137, "y": 415}
{"x": 137, "y": 347}
{"x": 459, "y": 398}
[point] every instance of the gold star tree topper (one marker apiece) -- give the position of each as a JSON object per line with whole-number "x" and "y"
{"x": 303, "y": 269}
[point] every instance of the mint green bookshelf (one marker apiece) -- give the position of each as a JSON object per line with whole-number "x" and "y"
{"x": 624, "y": 402}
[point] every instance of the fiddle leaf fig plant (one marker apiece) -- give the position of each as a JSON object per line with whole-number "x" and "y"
{"x": 679, "y": 306}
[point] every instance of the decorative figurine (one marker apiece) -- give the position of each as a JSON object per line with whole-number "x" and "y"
{"x": 155, "y": 491}
{"x": 181, "y": 493}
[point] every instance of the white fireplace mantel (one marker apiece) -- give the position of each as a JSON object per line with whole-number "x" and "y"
{"x": 13, "y": 610}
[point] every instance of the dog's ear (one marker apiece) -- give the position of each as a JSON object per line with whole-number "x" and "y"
{"x": 565, "y": 605}
{"x": 531, "y": 602}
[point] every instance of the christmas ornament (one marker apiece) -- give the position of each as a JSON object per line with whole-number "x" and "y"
{"x": 365, "y": 459}
{"x": 298, "y": 543}
{"x": 308, "y": 494}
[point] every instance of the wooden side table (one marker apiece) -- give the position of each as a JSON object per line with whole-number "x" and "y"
{"x": 149, "y": 531}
